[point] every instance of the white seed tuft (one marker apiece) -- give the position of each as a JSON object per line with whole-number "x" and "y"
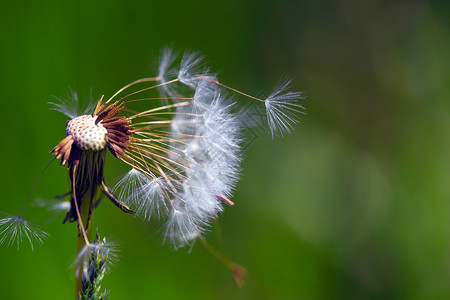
{"x": 282, "y": 109}
{"x": 15, "y": 229}
{"x": 86, "y": 134}
{"x": 147, "y": 196}
{"x": 70, "y": 106}
{"x": 187, "y": 167}
{"x": 210, "y": 152}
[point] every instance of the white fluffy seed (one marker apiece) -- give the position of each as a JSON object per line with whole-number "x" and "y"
{"x": 86, "y": 134}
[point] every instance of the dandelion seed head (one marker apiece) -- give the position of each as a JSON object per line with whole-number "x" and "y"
{"x": 185, "y": 155}
{"x": 14, "y": 229}
{"x": 86, "y": 134}
{"x": 210, "y": 154}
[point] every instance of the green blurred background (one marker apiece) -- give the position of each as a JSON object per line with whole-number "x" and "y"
{"x": 353, "y": 205}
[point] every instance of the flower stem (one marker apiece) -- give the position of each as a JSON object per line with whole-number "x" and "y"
{"x": 81, "y": 239}
{"x": 238, "y": 272}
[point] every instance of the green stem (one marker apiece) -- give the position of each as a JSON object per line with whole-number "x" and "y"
{"x": 237, "y": 271}
{"x": 81, "y": 242}
{"x": 219, "y": 256}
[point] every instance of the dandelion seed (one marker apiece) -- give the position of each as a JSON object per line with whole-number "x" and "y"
{"x": 70, "y": 106}
{"x": 129, "y": 184}
{"x": 53, "y": 206}
{"x": 166, "y": 62}
{"x": 15, "y": 229}
{"x": 190, "y": 66}
{"x": 166, "y": 73}
{"x": 144, "y": 194}
{"x": 181, "y": 229}
{"x": 282, "y": 109}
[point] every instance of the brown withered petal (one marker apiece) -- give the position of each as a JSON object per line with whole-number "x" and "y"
{"x": 116, "y": 121}
{"x": 121, "y": 142}
{"x": 100, "y": 106}
{"x": 67, "y": 152}
{"x": 109, "y": 112}
{"x": 119, "y": 133}
{"x": 117, "y": 151}
{"x": 63, "y": 149}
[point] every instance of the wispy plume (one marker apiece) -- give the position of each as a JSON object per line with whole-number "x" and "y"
{"x": 283, "y": 109}
{"x": 13, "y": 230}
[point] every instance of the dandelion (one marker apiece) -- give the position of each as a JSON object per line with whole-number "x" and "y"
{"x": 183, "y": 147}
{"x": 184, "y": 155}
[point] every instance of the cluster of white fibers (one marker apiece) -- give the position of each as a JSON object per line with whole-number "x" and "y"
{"x": 212, "y": 153}
{"x": 282, "y": 109}
{"x": 14, "y": 229}
{"x": 190, "y": 170}
{"x": 212, "y": 156}
{"x": 203, "y": 148}
{"x": 147, "y": 196}
{"x": 71, "y": 107}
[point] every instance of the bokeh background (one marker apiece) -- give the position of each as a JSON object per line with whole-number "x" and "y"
{"x": 355, "y": 204}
